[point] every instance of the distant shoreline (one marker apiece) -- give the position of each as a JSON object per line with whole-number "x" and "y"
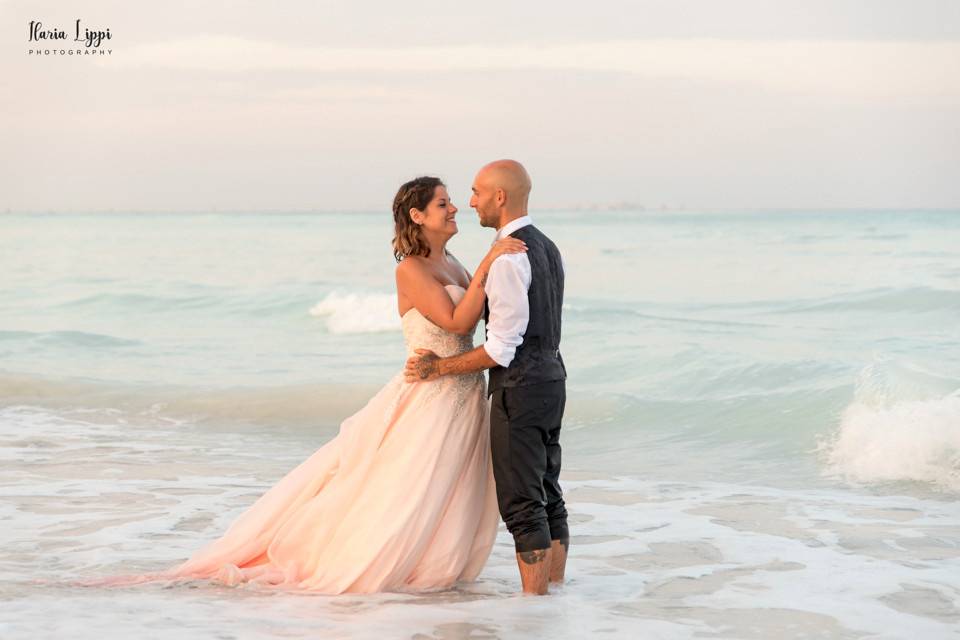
{"x": 639, "y": 210}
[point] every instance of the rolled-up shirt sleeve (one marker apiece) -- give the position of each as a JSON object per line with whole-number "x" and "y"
{"x": 507, "y": 285}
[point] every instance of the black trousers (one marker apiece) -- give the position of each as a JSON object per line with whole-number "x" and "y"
{"x": 525, "y": 446}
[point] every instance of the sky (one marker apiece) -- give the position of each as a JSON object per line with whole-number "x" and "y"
{"x": 301, "y": 105}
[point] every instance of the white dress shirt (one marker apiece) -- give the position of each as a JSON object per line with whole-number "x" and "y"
{"x": 508, "y": 282}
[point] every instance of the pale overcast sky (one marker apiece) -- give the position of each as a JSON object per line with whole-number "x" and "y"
{"x": 330, "y": 105}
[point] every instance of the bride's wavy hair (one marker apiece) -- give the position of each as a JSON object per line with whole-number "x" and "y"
{"x": 408, "y": 237}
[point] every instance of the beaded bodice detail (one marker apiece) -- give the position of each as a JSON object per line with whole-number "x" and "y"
{"x": 420, "y": 333}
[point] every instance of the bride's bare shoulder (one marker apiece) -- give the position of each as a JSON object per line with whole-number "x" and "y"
{"x": 412, "y": 270}
{"x": 411, "y": 264}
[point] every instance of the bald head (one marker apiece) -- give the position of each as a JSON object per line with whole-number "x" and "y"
{"x": 512, "y": 178}
{"x": 500, "y": 193}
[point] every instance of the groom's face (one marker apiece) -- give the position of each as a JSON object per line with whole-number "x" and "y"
{"x": 482, "y": 200}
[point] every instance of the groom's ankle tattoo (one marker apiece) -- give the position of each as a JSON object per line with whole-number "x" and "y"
{"x": 533, "y": 557}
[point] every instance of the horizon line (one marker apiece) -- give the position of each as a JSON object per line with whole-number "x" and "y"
{"x": 611, "y": 207}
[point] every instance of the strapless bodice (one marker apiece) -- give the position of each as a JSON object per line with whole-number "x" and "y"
{"x": 420, "y": 333}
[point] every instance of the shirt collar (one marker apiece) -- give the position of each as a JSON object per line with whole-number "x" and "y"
{"x": 513, "y": 225}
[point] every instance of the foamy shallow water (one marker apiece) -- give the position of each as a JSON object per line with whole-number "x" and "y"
{"x": 649, "y": 558}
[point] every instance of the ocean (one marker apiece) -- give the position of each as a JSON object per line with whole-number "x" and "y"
{"x": 761, "y": 439}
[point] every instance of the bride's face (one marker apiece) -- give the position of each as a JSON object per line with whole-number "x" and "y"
{"x": 440, "y": 214}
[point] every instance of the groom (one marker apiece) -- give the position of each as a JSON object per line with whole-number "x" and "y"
{"x": 527, "y": 375}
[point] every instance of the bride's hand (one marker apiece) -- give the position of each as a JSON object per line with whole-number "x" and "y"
{"x": 506, "y": 245}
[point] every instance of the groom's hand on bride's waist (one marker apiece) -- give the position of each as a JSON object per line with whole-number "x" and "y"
{"x": 427, "y": 365}
{"x": 422, "y": 367}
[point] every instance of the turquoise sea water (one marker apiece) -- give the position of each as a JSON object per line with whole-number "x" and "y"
{"x": 807, "y": 362}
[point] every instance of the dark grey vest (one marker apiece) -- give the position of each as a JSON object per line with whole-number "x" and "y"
{"x": 538, "y": 358}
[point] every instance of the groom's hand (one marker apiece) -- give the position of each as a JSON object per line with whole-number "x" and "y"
{"x": 422, "y": 367}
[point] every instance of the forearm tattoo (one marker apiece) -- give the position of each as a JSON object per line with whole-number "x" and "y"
{"x": 468, "y": 362}
{"x": 483, "y": 279}
{"x": 533, "y": 557}
{"x": 428, "y": 365}
{"x": 456, "y": 366}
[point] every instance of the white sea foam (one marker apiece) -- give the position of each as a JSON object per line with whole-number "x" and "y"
{"x": 358, "y": 313}
{"x": 915, "y": 440}
{"x": 901, "y": 426}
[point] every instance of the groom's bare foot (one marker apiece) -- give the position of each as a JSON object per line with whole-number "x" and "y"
{"x": 534, "y": 570}
{"x": 558, "y": 559}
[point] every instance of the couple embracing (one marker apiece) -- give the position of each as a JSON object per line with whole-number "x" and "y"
{"x": 406, "y": 496}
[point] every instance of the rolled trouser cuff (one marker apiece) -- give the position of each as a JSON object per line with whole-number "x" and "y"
{"x": 532, "y": 538}
{"x": 557, "y": 520}
{"x": 559, "y": 531}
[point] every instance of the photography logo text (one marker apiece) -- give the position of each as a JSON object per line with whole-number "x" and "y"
{"x": 80, "y": 40}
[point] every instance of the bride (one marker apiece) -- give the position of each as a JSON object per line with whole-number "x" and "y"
{"x": 403, "y": 497}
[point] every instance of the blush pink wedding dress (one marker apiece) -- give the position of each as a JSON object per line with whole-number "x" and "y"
{"x": 403, "y": 498}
